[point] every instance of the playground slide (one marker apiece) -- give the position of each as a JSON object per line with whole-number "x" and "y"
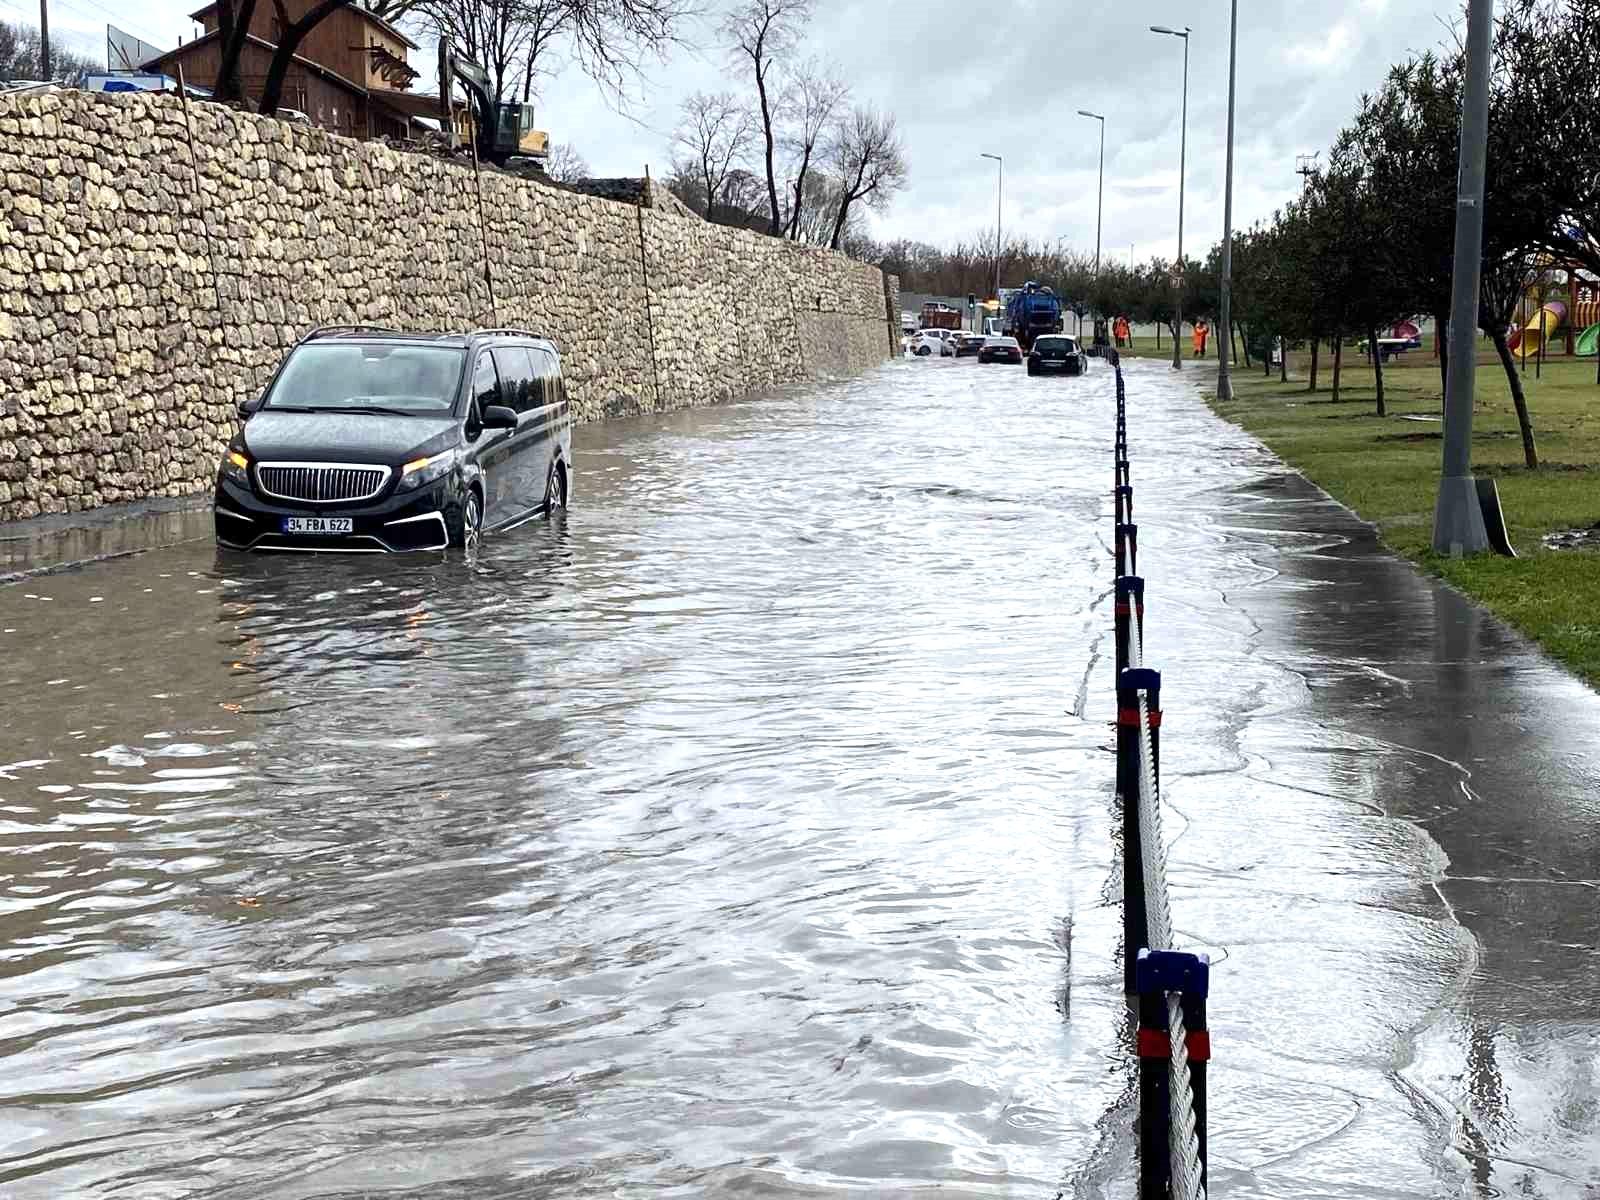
{"x": 1406, "y": 329}
{"x": 1551, "y": 317}
{"x": 1588, "y": 340}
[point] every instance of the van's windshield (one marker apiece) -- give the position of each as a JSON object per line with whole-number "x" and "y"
{"x": 369, "y": 377}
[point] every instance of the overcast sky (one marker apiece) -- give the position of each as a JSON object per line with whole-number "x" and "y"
{"x": 1008, "y": 78}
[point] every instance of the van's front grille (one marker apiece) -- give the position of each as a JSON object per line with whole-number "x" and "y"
{"x": 321, "y": 483}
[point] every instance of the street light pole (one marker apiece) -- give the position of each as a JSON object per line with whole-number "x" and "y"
{"x": 1225, "y": 334}
{"x": 1183, "y": 155}
{"x": 1458, "y": 526}
{"x": 999, "y": 192}
{"x": 1100, "y": 203}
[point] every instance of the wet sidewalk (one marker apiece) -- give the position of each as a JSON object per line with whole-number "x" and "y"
{"x": 1392, "y": 839}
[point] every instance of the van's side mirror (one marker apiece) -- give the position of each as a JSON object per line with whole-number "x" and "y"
{"x": 248, "y": 408}
{"x": 498, "y": 416}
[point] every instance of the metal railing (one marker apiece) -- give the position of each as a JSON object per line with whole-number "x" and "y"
{"x": 1173, "y": 1043}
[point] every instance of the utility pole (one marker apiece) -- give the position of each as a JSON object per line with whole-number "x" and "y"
{"x": 999, "y": 193}
{"x": 1100, "y": 203}
{"x": 1458, "y": 526}
{"x": 1225, "y": 334}
{"x": 1183, "y": 155}
{"x": 1305, "y": 166}
{"x": 44, "y": 39}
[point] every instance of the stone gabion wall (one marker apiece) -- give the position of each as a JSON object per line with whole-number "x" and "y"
{"x": 153, "y": 271}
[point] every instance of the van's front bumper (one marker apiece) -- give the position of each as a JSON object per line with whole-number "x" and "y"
{"x": 396, "y": 522}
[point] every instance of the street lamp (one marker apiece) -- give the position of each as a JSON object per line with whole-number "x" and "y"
{"x": 999, "y": 191}
{"x": 1183, "y": 154}
{"x": 1458, "y": 525}
{"x": 1225, "y": 341}
{"x": 1099, "y": 206}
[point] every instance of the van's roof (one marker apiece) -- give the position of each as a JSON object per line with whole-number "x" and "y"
{"x": 449, "y": 339}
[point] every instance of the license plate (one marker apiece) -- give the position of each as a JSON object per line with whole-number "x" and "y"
{"x": 323, "y": 525}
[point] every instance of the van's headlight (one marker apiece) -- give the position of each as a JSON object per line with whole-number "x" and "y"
{"x": 422, "y": 471}
{"x": 236, "y": 466}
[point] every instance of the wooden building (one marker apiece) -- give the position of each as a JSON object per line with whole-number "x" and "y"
{"x": 350, "y": 74}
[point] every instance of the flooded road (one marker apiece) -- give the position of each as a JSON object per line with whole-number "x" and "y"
{"x": 746, "y": 833}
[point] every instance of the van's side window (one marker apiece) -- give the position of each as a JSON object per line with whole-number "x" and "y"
{"x": 549, "y": 372}
{"x": 516, "y": 378}
{"x": 485, "y": 385}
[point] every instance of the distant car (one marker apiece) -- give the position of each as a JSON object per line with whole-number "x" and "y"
{"x": 1057, "y": 353}
{"x": 969, "y": 344}
{"x": 908, "y": 322}
{"x": 1000, "y": 349}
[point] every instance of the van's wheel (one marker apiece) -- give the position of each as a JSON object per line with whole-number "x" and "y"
{"x": 465, "y": 522}
{"x": 555, "y": 489}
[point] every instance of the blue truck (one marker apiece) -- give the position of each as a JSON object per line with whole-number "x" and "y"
{"x": 1032, "y": 311}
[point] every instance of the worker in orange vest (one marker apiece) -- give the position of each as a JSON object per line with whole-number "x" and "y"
{"x": 1122, "y": 332}
{"x": 1200, "y": 332}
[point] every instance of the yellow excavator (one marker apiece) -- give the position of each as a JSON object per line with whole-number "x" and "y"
{"x": 502, "y": 129}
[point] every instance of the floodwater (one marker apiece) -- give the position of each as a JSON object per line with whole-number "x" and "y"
{"x": 746, "y": 832}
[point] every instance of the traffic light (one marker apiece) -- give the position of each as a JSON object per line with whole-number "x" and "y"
{"x": 972, "y": 300}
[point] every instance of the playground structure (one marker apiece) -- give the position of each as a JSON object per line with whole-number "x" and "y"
{"x": 1550, "y": 313}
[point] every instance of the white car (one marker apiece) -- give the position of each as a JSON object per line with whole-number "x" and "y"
{"x": 928, "y": 342}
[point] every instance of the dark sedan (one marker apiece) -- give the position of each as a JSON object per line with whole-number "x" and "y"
{"x": 1001, "y": 350}
{"x": 969, "y": 344}
{"x": 1057, "y": 354}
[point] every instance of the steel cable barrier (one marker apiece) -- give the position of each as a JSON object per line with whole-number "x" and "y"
{"x": 1171, "y": 985}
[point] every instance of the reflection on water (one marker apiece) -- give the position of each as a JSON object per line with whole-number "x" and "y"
{"x": 746, "y": 832}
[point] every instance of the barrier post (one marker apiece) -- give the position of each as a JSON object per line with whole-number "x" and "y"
{"x": 1135, "y": 917}
{"x": 1155, "y": 1093}
{"x": 1129, "y": 605}
{"x": 1124, "y": 494}
{"x": 1199, "y": 1047}
{"x": 1188, "y": 976}
{"x": 1127, "y": 550}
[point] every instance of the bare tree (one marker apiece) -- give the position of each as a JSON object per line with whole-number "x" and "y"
{"x": 233, "y": 26}
{"x": 610, "y": 39}
{"x": 870, "y": 162}
{"x": 513, "y": 40}
{"x": 713, "y": 134}
{"x": 565, "y": 164}
{"x": 492, "y": 33}
{"x": 763, "y": 32}
{"x": 294, "y": 32}
{"x": 816, "y": 97}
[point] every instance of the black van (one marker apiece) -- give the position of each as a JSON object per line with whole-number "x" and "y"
{"x": 372, "y": 440}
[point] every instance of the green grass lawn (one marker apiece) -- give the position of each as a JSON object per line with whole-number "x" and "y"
{"x": 1387, "y": 470}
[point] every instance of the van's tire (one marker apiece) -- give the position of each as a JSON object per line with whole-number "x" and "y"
{"x": 555, "y": 489}
{"x": 465, "y": 521}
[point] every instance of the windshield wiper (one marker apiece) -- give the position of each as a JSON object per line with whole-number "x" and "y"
{"x": 359, "y": 408}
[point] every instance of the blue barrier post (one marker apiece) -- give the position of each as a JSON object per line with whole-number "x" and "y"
{"x": 1135, "y": 917}
{"x": 1189, "y": 976}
